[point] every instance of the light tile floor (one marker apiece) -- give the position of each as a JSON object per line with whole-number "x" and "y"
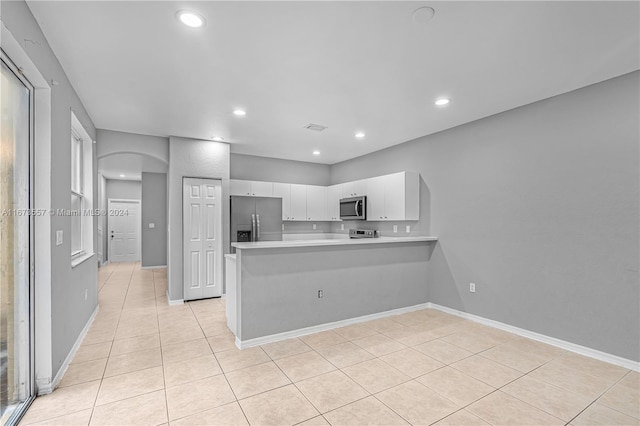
{"x": 145, "y": 362}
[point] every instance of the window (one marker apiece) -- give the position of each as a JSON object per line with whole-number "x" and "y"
{"x": 81, "y": 192}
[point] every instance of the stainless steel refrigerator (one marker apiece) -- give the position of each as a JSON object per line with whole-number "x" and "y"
{"x": 255, "y": 219}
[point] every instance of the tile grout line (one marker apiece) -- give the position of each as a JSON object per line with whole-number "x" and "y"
{"x": 112, "y": 340}
{"x": 164, "y": 379}
{"x": 320, "y": 414}
{"x": 601, "y": 395}
{"x": 221, "y": 372}
{"x": 481, "y": 354}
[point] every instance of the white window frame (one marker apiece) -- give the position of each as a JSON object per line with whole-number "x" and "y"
{"x": 77, "y": 180}
{"x": 82, "y": 189}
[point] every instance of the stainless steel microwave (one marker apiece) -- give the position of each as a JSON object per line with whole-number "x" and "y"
{"x": 353, "y": 208}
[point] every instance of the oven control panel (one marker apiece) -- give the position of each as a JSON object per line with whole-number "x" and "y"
{"x": 362, "y": 233}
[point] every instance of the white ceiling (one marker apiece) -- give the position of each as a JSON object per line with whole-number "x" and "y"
{"x": 351, "y": 66}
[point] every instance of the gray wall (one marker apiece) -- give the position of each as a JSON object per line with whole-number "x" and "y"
{"x": 198, "y": 159}
{"x": 249, "y": 167}
{"x": 124, "y": 189}
{"x": 154, "y": 210}
{"x": 67, "y": 285}
{"x": 539, "y": 207}
{"x": 279, "y": 287}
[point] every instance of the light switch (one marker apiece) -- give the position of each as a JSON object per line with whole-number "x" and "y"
{"x": 152, "y": 225}
{"x": 58, "y": 237}
{"x": 408, "y": 228}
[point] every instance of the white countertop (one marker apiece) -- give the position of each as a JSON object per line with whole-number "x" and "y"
{"x": 332, "y": 242}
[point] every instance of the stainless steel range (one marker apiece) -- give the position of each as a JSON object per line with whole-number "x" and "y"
{"x": 363, "y": 233}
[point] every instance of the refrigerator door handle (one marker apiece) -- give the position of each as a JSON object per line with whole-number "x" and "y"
{"x": 258, "y": 227}
{"x": 253, "y": 227}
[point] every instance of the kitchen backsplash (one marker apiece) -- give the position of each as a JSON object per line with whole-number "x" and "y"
{"x": 306, "y": 227}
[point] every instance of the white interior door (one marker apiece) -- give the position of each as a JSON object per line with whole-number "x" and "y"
{"x": 202, "y": 236}
{"x": 124, "y": 230}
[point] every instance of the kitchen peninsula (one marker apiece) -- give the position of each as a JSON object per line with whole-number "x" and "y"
{"x": 282, "y": 289}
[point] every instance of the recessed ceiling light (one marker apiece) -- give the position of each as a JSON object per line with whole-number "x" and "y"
{"x": 217, "y": 138}
{"x": 190, "y": 18}
{"x": 240, "y": 112}
{"x": 121, "y": 175}
{"x": 316, "y": 152}
{"x": 443, "y": 101}
{"x": 359, "y": 135}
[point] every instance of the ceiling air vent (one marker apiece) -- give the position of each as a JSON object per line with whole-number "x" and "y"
{"x": 316, "y": 127}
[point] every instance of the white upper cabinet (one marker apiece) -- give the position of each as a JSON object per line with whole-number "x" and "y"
{"x": 283, "y": 190}
{"x": 334, "y": 194}
{"x": 355, "y": 188}
{"x": 390, "y": 197}
{"x": 375, "y": 198}
{"x": 240, "y": 187}
{"x": 251, "y": 188}
{"x": 317, "y": 203}
{"x": 261, "y": 189}
{"x": 394, "y": 197}
{"x": 298, "y": 202}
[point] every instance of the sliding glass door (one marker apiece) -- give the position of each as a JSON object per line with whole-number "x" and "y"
{"x": 16, "y": 384}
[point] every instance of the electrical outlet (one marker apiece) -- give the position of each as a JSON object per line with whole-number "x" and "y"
{"x": 86, "y": 293}
{"x": 472, "y": 287}
{"x": 314, "y": 226}
{"x": 283, "y": 226}
{"x": 342, "y": 226}
{"x": 320, "y": 294}
{"x": 58, "y": 238}
{"x": 395, "y": 228}
{"x": 408, "y": 228}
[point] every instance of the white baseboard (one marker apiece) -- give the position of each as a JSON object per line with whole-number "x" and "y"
{"x": 46, "y": 388}
{"x": 174, "y": 302}
{"x": 562, "y": 344}
{"x": 243, "y": 344}
{"x": 154, "y": 267}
